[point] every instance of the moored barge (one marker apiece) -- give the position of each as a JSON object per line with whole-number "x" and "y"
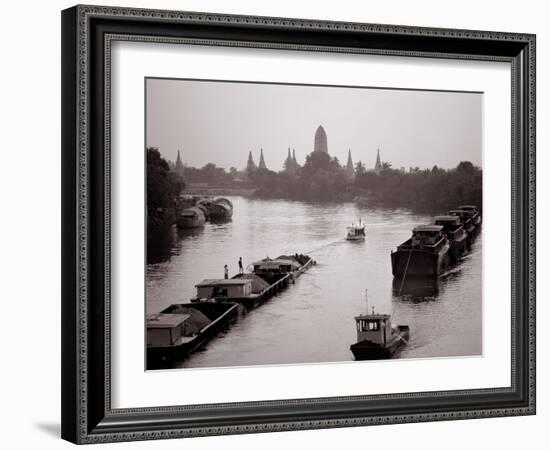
{"x": 191, "y": 218}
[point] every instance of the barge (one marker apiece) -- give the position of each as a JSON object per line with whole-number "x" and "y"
{"x": 182, "y": 328}
{"x": 425, "y": 254}
{"x": 266, "y": 278}
{"x": 473, "y": 213}
{"x": 377, "y": 338}
{"x": 191, "y": 218}
{"x": 466, "y": 220}
{"x": 456, "y": 235}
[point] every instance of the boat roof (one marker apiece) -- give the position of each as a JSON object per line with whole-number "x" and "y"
{"x": 467, "y": 207}
{"x": 193, "y": 210}
{"x": 432, "y": 228}
{"x": 372, "y": 316}
{"x": 223, "y": 282}
{"x": 446, "y": 218}
{"x": 165, "y": 320}
{"x": 268, "y": 262}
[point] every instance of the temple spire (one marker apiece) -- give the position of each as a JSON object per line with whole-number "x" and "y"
{"x": 179, "y": 168}
{"x": 250, "y": 165}
{"x": 261, "y": 164}
{"x": 349, "y": 166}
{"x": 378, "y": 165}
{"x": 288, "y": 161}
{"x": 294, "y": 158}
{"x": 320, "y": 141}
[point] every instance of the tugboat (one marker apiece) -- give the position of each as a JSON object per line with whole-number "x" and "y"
{"x": 377, "y": 338}
{"x": 356, "y": 232}
{"x": 425, "y": 254}
{"x": 454, "y": 230}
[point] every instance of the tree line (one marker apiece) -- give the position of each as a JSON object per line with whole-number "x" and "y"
{"x": 322, "y": 178}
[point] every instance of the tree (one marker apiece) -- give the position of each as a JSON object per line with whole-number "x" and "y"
{"x": 163, "y": 185}
{"x": 360, "y": 168}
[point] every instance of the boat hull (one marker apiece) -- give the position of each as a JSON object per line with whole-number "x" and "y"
{"x": 419, "y": 262}
{"x": 458, "y": 248}
{"x": 366, "y": 350}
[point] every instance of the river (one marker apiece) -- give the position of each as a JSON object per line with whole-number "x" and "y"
{"x": 313, "y": 320}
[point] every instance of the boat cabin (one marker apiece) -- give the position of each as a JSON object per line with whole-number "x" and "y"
{"x": 226, "y": 288}
{"x": 426, "y": 235}
{"x": 375, "y": 328}
{"x": 165, "y": 329}
{"x": 356, "y": 230}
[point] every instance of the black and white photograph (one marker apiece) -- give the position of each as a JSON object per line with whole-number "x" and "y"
{"x": 296, "y": 224}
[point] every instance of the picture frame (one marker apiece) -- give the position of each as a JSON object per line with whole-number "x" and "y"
{"x": 87, "y": 413}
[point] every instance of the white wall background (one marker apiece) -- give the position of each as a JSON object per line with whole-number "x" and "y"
{"x": 30, "y": 221}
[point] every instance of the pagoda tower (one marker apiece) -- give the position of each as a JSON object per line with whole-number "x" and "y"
{"x": 349, "y": 166}
{"x": 378, "y": 164}
{"x": 261, "y": 164}
{"x": 179, "y": 168}
{"x": 250, "y": 164}
{"x": 320, "y": 142}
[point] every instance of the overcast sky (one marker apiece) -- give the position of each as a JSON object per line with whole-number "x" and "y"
{"x": 221, "y": 122}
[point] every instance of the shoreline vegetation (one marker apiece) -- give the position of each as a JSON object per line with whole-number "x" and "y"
{"x": 321, "y": 179}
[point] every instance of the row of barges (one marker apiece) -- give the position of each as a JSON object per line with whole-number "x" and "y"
{"x": 433, "y": 248}
{"x": 182, "y": 328}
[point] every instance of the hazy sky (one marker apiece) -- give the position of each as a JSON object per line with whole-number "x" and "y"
{"x": 221, "y": 122}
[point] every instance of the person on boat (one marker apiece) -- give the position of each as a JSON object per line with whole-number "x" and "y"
{"x": 225, "y": 272}
{"x": 240, "y": 264}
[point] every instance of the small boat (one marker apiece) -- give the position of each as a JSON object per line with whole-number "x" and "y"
{"x": 191, "y": 218}
{"x": 356, "y": 232}
{"x": 425, "y": 254}
{"x": 377, "y": 338}
{"x": 182, "y": 328}
{"x": 457, "y": 236}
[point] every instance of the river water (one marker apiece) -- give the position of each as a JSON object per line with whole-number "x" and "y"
{"x": 313, "y": 320}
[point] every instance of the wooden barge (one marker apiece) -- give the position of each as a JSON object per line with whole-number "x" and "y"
{"x": 182, "y": 328}
{"x": 266, "y": 278}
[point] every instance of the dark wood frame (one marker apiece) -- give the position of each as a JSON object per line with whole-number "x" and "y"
{"x": 87, "y": 32}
